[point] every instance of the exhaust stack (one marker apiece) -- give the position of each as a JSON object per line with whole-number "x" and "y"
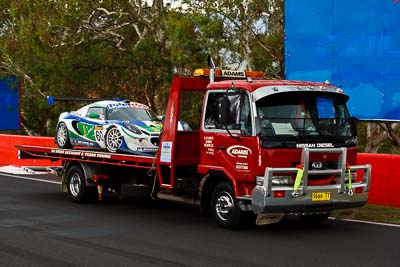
{"x": 211, "y": 65}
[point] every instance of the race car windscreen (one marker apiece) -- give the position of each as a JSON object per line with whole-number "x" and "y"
{"x": 128, "y": 114}
{"x": 295, "y": 117}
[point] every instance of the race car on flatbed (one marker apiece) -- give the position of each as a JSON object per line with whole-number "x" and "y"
{"x": 112, "y": 125}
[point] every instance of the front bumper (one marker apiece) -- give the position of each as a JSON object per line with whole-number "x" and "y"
{"x": 341, "y": 194}
{"x": 264, "y": 203}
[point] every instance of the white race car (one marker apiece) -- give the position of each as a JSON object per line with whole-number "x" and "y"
{"x": 113, "y": 125}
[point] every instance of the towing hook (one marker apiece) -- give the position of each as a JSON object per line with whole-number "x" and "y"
{"x": 295, "y": 194}
{"x": 348, "y": 191}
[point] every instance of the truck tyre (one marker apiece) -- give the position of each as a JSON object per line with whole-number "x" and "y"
{"x": 77, "y": 189}
{"x": 113, "y": 139}
{"x": 225, "y": 208}
{"x": 62, "y": 137}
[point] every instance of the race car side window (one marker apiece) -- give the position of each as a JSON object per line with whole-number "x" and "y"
{"x": 95, "y": 111}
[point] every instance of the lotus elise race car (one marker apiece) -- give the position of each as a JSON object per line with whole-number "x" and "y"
{"x": 113, "y": 125}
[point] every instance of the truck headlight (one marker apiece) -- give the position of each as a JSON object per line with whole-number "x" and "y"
{"x": 276, "y": 180}
{"x": 281, "y": 180}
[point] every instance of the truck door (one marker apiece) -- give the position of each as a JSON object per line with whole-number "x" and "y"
{"x": 228, "y": 136}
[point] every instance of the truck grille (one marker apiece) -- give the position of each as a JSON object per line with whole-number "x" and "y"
{"x": 322, "y": 179}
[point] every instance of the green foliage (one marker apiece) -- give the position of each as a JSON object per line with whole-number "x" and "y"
{"x": 241, "y": 33}
{"x": 185, "y": 50}
{"x": 377, "y": 140}
{"x": 361, "y": 136}
{"x": 376, "y": 213}
{"x": 388, "y": 147}
{"x": 104, "y": 49}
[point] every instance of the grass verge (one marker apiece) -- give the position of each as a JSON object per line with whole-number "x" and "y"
{"x": 382, "y": 214}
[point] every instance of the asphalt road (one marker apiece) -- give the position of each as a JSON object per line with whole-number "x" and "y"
{"x": 40, "y": 226}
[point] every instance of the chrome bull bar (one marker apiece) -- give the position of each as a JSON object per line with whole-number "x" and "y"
{"x": 342, "y": 193}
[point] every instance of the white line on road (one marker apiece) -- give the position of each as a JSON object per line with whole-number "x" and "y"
{"x": 375, "y": 223}
{"x": 29, "y": 178}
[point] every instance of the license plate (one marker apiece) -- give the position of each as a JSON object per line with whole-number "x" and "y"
{"x": 321, "y": 196}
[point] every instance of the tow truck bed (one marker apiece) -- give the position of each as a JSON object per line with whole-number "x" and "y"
{"x": 85, "y": 155}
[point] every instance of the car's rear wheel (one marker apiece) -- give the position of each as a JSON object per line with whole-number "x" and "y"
{"x": 113, "y": 139}
{"x": 62, "y": 137}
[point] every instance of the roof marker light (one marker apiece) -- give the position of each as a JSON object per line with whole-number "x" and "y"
{"x": 254, "y": 74}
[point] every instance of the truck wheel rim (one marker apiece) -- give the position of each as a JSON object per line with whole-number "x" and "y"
{"x": 114, "y": 139}
{"x": 62, "y": 134}
{"x": 75, "y": 184}
{"x": 224, "y": 206}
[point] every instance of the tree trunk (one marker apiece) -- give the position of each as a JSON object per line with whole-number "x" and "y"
{"x": 378, "y": 133}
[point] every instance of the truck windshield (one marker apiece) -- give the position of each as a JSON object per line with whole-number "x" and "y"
{"x": 295, "y": 117}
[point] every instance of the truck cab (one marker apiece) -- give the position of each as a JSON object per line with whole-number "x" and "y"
{"x": 263, "y": 148}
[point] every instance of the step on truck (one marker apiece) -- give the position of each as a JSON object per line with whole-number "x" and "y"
{"x": 257, "y": 149}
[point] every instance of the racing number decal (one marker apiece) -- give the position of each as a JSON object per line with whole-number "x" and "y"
{"x": 98, "y": 133}
{"x": 99, "y": 136}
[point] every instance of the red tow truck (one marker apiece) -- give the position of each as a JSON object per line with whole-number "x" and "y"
{"x": 258, "y": 149}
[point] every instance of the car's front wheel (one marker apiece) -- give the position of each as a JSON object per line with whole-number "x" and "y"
{"x": 113, "y": 139}
{"x": 62, "y": 137}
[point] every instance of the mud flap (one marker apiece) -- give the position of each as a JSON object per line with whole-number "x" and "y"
{"x": 269, "y": 218}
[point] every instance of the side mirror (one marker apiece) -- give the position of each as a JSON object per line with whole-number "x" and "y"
{"x": 223, "y": 109}
{"x": 94, "y": 116}
{"x": 354, "y": 125}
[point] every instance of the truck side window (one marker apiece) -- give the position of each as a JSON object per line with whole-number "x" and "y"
{"x": 211, "y": 120}
{"x": 245, "y": 116}
{"x": 238, "y": 117}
